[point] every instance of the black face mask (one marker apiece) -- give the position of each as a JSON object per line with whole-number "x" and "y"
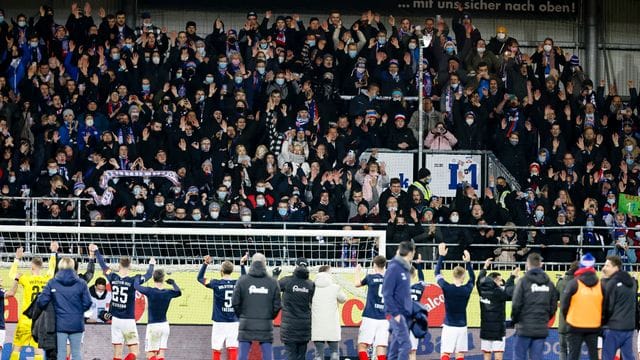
{"x": 501, "y": 188}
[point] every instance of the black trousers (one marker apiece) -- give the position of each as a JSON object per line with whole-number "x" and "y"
{"x": 296, "y": 350}
{"x": 575, "y": 340}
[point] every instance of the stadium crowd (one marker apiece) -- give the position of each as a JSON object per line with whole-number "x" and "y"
{"x": 252, "y": 123}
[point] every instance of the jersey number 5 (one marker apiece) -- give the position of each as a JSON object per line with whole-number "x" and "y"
{"x": 227, "y": 298}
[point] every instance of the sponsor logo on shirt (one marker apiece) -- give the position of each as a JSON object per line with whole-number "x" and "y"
{"x": 539, "y": 288}
{"x": 303, "y": 289}
{"x": 485, "y": 301}
{"x": 258, "y": 290}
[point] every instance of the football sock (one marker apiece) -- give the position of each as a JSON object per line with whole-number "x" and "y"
{"x": 232, "y": 353}
{"x": 362, "y": 355}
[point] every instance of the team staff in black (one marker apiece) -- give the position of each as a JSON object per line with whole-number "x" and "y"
{"x": 494, "y": 293}
{"x": 297, "y": 293}
{"x": 256, "y": 301}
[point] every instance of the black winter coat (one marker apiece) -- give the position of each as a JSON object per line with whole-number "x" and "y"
{"x": 297, "y": 293}
{"x": 43, "y": 327}
{"x": 492, "y": 306}
{"x": 620, "y": 302}
{"x": 535, "y": 301}
{"x": 256, "y": 301}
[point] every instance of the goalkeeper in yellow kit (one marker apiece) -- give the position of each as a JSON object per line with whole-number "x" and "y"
{"x": 32, "y": 284}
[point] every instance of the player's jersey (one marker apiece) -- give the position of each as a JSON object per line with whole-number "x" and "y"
{"x": 417, "y": 290}
{"x": 123, "y": 295}
{"x": 159, "y": 300}
{"x": 123, "y": 292}
{"x": 222, "y": 293}
{"x": 374, "y": 309}
{"x": 32, "y": 285}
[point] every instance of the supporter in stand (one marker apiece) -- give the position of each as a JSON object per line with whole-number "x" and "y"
{"x": 250, "y": 117}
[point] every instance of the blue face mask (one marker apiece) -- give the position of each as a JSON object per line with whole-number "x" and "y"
{"x": 127, "y": 46}
{"x": 238, "y": 80}
{"x": 280, "y": 81}
{"x": 629, "y": 161}
{"x": 222, "y": 65}
{"x": 115, "y": 57}
{"x": 590, "y": 224}
{"x": 264, "y": 46}
{"x": 146, "y": 87}
{"x": 353, "y": 54}
{"x": 282, "y": 212}
{"x": 209, "y": 80}
{"x": 449, "y": 50}
{"x": 1, "y": 19}
{"x": 382, "y": 40}
{"x": 312, "y": 43}
{"x": 33, "y": 44}
{"x": 261, "y": 70}
{"x": 539, "y": 214}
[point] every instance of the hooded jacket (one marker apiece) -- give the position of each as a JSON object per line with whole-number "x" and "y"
{"x": 71, "y": 299}
{"x": 535, "y": 301}
{"x": 325, "y": 317}
{"x": 256, "y": 301}
{"x": 297, "y": 292}
{"x": 620, "y": 301}
{"x": 396, "y": 288}
{"x": 587, "y": 277}
{"x": 492, "y": 306}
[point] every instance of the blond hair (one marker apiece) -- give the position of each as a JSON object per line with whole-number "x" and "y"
{"x": 66, "y": 263}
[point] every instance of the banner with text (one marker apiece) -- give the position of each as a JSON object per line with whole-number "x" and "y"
{"x": 494, "y": 8}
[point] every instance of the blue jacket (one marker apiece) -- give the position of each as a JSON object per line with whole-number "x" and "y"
{"x": 396, "y": 288}
{"x": 70, "y": 296}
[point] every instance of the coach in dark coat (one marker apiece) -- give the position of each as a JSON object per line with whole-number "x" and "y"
{"x": 256, "y": 301}
{"x": 295, "y": 331}
{"x": 492, "y": 304}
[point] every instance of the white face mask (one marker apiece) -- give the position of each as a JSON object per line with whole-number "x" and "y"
{"x": 139, "y": 209}
{"x": 245, "y": 218}
{"x": 227, "y": 184}
{"x": 501, "y": 36}
{"x": 469, "y": 121}
{"x": 155, "y": 60}
{"x": 547, "y": 48}
{"x": 89, "y": 123}
{"x": 480, "y": 50}
{"x": 260, "y": 202}
{"x": 214, "y": 215}
{"x": 454, "y": 219}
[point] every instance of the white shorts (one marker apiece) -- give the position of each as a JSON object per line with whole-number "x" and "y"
{"x": 414, "y": 341}
{"x": 453, "y": 339}
{"x": 374, "y": 332}
{"x": 224, "y": 334}
{"x": 3, "y": 336}
{"x": 492, "y": 346}
{"x": 124, "y": 331}
{"x": 156, "y": 337}
{"x": 599, "y": 342}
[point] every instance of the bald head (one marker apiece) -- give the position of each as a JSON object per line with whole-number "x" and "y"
{"x": 259, "y": 257}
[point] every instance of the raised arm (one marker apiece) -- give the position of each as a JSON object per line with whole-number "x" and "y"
{"x": 13, "y": 271}
{"x": 176, "y": 289}
{"x": 466, "y": 257}
{"x": 203, "y": 270}
{"x": 53, "y": 259}
{"x": 149, "y": 273}
{"x": 442, "y": 252}
{"x": 359, "y": 277}
{"x": 243, "y": 261}
{"x": 103, "y": 265}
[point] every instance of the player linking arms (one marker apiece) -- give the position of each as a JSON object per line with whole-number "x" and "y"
{"x": 159, "y": 298}
{"x": 32, "y": 284}
{"x": 122, "y": 307}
